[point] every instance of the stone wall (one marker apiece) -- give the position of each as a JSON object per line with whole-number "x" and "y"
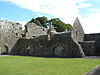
{"x": 91, "y": 44}
{"x": 21, "y": 47}
{"x": 60, "y": 45}
{"x": 91, "y": 37}
{"x": 97, "y": 46}
{"x": 10, "y": 32}
{"x": 38, "y": 41}
{"x": 88, "y": 48}
{"x": 7, "y": 44}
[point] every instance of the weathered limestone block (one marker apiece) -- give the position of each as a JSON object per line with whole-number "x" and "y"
{"x": 3, "y": 46}
{"x": 33, "y": 30}
{"x": 10, "y": 32}
{"x": 10, "y": 29}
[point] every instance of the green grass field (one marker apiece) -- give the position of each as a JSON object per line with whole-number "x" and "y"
{"x": 20, "y": 65}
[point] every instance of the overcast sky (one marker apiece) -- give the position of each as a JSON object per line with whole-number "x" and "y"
{"x": 22, "y": 11}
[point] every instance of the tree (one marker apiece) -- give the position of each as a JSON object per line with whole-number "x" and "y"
{"x": 43, "y": 20}
{"x": 56, "y": 22}
{"x": 59, "y": 25}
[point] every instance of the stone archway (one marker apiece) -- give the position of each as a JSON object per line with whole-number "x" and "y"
{"x": 59, "y": 51}
{"x": 6, "y": 49}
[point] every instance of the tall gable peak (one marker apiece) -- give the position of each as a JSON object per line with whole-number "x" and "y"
{"x": 77, "y": 32}
{"x": 76, "y": 22}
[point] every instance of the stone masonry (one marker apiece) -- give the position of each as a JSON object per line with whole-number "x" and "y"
{"x": 10, "y": 32}
{"x": 36, "y": 40}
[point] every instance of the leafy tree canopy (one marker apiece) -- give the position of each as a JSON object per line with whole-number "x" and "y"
{"x": 56, "y": 22}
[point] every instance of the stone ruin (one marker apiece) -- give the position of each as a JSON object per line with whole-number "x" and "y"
{"x": 36, "y": 40}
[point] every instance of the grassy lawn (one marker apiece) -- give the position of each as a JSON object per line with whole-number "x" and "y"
{"x": 20, "y": 65}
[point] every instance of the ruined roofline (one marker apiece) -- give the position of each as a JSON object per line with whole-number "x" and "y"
{"x": 77, "y": 20}
{"x": 10, "y": 21}
{"x": 93, "y": 34}
{"x": 78, "y": 23}
{"x": 77, "y": 32}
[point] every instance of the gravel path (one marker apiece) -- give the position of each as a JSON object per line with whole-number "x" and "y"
{"x": 95, "y": 71}
{"x": 5, "y": 55}
{"x": 92, "y": 57}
